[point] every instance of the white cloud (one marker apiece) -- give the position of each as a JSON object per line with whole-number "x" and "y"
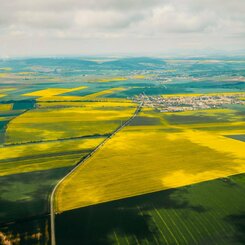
{"x": 104, "y": 19}
{"x": 172, "y": 23}
{"x": 168, "y": 19}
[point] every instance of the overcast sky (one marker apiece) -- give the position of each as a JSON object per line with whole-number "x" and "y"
{"x": 138, "y": 27}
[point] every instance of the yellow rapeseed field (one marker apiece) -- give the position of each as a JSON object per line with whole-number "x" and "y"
{"x": 6, "y": 107}
{"x": 55, "y": 94}
{"x": 50, "y": 92}
{"x": 5, "y": 68}
{"x": 221, "y": 121}
{"x": 4, "y": 75}
{"x": 26, "y": 73}
{"x": 113, "y": 79}
{"x": 42, "y": 156}
{"x": 60, "y": 98}
{"x": 139, "y": 76}
{"x": 39, "y": 164}
{"x": 148, "y": 158}
{"x": 59, "y": 123}
{"x": 4, "y": 91}
{"x": 97, "y": 95}
{"x": 94, "y": 104}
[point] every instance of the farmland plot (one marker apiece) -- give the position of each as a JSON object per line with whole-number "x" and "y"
{"x": 163, "y": 156}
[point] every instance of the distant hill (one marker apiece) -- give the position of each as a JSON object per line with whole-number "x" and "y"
{"x": 137, "y": 63}
{"x": 134, "y": 63}
{"x": 59, "y": 62}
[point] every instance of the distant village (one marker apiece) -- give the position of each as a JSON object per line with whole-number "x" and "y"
{"x": 188, "y": 102}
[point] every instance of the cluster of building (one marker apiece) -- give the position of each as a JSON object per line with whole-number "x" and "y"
{"x": 188, "y": 102}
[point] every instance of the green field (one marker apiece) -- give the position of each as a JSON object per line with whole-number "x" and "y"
{"x": 34, "y": 230}
{"x": 207, "y": 213}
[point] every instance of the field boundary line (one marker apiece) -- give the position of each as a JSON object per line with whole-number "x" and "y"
{"x": 52, "y": 206}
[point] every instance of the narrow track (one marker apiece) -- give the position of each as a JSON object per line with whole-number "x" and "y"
{"x": 52, "y": 204}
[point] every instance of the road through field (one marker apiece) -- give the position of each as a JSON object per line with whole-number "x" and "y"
{"x": 52, "y": 206}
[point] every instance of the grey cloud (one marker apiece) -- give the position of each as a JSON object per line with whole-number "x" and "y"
{"x": 42, "y": 5}
{"x": 194, "y": 22}
{"x": 165, "y": 15}
{"x": 63, "y": 13}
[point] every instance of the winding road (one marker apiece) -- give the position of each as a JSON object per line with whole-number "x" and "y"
{"x": 52, "y": 204}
